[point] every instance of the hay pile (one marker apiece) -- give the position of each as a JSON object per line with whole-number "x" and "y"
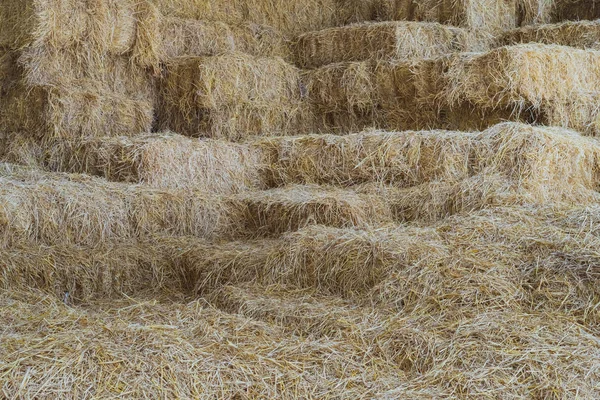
{"x": 231, "y": 96}
{"x": 434, "y": 174}
{"x": 382, "y": 40}
{"x": 486, "y": 16}
{"x": 290, "y": 17}
{"x": 241, "y": 355}
{"x": 51, "y": 207}
{"x": 163, "y": 160}
{"x": 581, "y": 34}
{"x": 544, "y": 84}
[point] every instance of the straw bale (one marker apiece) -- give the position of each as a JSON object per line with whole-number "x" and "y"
{"x": 545, "y": 164}
{"x": 194, "y": 38}
{"x": 109, "y": 25}
{"x": 51, "y": 208}
{"x": 231, "y": 95}
{"x": 581, "y": 34}
{"x": 574, "y": 10}
{"x": 42, "y": 100}
{"x": 164, "y": 160}
{"x": 468, "y": 91}
{"x": 291, "y": 17}
{"x": 276, "y": 211}
{"x": 73, "y": 112}
{"x": 487, "y": 15}
{"x": 401, "y": 158}
{"x": 380, "y": 40}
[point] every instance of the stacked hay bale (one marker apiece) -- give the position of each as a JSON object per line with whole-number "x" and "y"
{"x": 231, "y": 96}
{"x": 65, "y": 71}
{"x": 543, "y": 84}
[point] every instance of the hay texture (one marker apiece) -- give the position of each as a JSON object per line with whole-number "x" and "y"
{"x": 230, "y": 96}
{"x": 383, "y": 40}
{"x": 78, "y": 209}
{"x": 290, "y": 17}
{"x": 489, "y": 16}
{"x": 580, "y": 34}
{"x": 544, "y": 84}
{"x": 194, "y": 38}
{"x": 508, "y": 164}
{"x": 164, "y": 160}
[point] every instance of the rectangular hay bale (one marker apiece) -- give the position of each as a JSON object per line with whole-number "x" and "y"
{"x": 380, "y": 40}
{"x": 232, "y": 96}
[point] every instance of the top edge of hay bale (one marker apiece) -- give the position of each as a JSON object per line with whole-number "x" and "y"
{"x": 379, "y": 40}
{"x": 108, "y": 24}
{"x": 581, "y": 34}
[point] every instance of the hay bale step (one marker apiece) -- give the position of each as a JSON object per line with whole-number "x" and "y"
{"x": 232, "y": 96}
{"x": 78, "y": 209}
{"x": 543, "y": 84}
{"x": 580, "y": 34}
{"x": 162, "y": 160}
{"x": 378, "y": 40}
{"x": 276, "y": 211}
{"x": 404, "y": 159}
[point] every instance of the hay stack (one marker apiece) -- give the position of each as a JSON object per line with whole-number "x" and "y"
{"x": 39, "y": 98}
{"x": 581, "y": 34}
{"x": 274, "y": 212}
{"x": 230, "y": 96}
{"x": 382, "y": 40}
{"x": 545, "y": 84}
{"x": 540, "y": 160}
{"x": 489, "y": 16}
{"x": 51, "y": 208}
{"x": 164, "y": 160}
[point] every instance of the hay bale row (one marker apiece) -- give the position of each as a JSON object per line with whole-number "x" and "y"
{"x": 230, "y": 96}
{"x": 59, "y": 208}
{"x": 382, "y": 40}
{"x": 580, "y": 34}
{"x": 163, "y": 160}
{"x": 291, "y": 17}
{"x": 490, "y": 16}
{"x": 529, "y": 155}
{"x": 545, "y": 84}
{"x": 492, "y": 256}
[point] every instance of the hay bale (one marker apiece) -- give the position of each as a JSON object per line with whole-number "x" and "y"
{"x": 381, "y": 40}
{"x": 108, "y": 25}
{"x": 194, "y": 38}
{"x": 106, "y": 96}
{"x": 490, "y": 16}
{"x": 163, "y": 160}
{"x": 291, "y": 17}
{"x": 230, "y": 96}
{"x": 580, "y": 34}
{"x": 404, "y": 159}
{"x": 563, "y": 10}
{"x": 60, "y": 208}
{"x": 280, "y": 210}
{"x": 468, "y": 91}
{"x": 537, "y": 159}
{"x": 538, "y": 79}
